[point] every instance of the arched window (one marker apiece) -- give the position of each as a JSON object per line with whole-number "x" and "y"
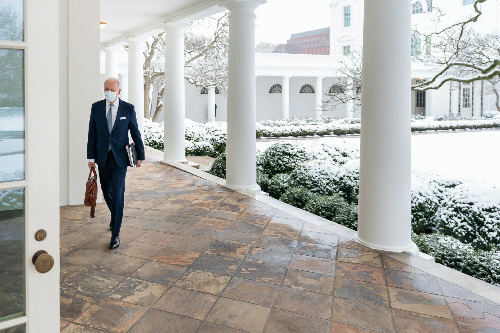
{"x": 307, "y": 89}
{"x": 275, "y": 89}
{"x": 417, "y": 8}
{"x": 204, "y": 91}
{"x": 336, "y": 89}
{"x": 429, "y": 6}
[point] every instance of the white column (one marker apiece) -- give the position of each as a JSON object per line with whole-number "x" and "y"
{"x": 241, "y": 104}
{"x": 211, "y": 104}
{"x": 136, "y": 79}
{"x": 319, "y": 96}
{"x": 385, "y": 174}
{"x": 174, "y": 97}
{"x": 111, "y": 62}
{"x": 124, "y": 84}
{"x": 285, "y": 98}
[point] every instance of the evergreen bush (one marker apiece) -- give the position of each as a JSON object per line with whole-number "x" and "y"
{"x": 326, "y": 178}
{"x": 296, "y": 196}
{"x": 450, "y": 252}
{"x": 219, "y": 166}
{"x": 334, "y": 208}
{"x": 263, "y": 180}
{"x": 282, "y": 157}
{"x": 471, "y": 214}
{"x": 278, "y": 184}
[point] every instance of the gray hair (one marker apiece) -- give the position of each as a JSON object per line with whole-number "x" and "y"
{"x": 113, "y": 79}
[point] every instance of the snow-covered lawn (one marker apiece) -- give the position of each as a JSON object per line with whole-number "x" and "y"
{"x": 462, "y": 156}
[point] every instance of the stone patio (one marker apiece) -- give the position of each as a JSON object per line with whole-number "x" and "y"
{"x": 198, "y": 257}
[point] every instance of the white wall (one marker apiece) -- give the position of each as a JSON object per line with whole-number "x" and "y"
{"x": 342, "y": 36}
{"x": 82, "y": 71}
{"x": 269, "y": 106}
{"x": 302, "y": 105}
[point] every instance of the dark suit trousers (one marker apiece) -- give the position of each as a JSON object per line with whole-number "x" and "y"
{"x": 113, "y": 189}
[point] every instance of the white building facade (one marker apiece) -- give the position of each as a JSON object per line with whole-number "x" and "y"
{"x": 284, "y": 81}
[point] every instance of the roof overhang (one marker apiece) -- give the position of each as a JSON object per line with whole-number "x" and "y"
{"x": 127, "y": 19}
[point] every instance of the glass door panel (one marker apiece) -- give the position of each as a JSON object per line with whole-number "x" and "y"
{"x": 12, "y": 20}
{"x": 11, "y": 115}
{"x": 12, "y": 248}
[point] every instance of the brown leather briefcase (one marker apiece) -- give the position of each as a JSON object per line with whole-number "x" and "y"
{"x": 91, "y": 192}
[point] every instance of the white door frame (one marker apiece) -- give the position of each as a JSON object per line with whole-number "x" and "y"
{"x": 41, "y": 184}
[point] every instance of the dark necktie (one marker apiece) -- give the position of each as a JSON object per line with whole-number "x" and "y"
{"x": 110, "y": 118}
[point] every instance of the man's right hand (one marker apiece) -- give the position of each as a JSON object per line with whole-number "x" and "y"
{"x": 91, "y": 165}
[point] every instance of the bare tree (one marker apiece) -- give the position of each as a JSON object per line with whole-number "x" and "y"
{"x": 205, "y": 61}
{"x": 348, "y": 88}
{"x": 460, "y": 53}
{"x": 463, "y": 54}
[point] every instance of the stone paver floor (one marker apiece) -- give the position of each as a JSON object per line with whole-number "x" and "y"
{"x": 198, "y": 257}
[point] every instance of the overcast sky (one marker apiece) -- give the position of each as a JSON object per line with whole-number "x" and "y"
{"x": 278, "y": 19}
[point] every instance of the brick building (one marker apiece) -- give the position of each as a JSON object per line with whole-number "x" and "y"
{"x": 310, "y": 42}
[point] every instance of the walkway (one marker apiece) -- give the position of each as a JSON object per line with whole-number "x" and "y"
{"x": 197, "y": 257}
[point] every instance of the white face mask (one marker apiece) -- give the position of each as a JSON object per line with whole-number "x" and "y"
{"x": 110, "y": 96}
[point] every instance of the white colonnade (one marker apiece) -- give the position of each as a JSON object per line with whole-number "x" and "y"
{"x": 174, "y": 97}
{"x": 385, "y": 174}
{"x": 136, "y": 79}
{"x": 241, "y": 98}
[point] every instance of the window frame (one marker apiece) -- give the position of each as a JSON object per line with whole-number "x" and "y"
{"x": 417, "y": 8}
{"x": 347, "y": 16}
{"x": 307, "y": 89}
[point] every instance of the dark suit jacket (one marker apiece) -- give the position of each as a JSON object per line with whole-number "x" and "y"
{"x": 99, "y": 137}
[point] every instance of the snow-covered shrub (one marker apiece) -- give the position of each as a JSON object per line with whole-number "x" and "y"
{"x": 263, "y": 181}
{"x": 217, "y": 139}
{"x": 334, "y": 208}
{"x": 471, "y": 214}
{"x": 278, "y": 184}
{"x": 340, "y": 153}
{"x": 219, "y": 166}
{"x": 448, "y": 251}
{"x": 11, "y": 200}
{"x": 153, "y": 134}
{"x": 297, "y": 196}
{"x": 199, "y": 148}
{"x": 425, "y": 200}
{"x": 282, "y": 157}
{"x": 327, "y": 178}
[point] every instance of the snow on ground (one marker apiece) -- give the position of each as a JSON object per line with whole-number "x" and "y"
{"x": 11, "y": 167}
{"x": 455, "y": 156}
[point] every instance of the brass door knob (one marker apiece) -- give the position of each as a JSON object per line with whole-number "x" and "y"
{"x": 43, "y": 261}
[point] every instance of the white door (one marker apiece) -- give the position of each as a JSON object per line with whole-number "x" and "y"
{"x": 29, "y": 165}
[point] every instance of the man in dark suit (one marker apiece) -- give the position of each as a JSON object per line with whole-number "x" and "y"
{"x": 110, "y": 121}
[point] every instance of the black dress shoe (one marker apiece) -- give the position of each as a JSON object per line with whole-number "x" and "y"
{"x": 115, "y": 242}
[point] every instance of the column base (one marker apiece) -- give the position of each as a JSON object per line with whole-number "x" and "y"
{"x": 250, "y": 191}
{"x": 411, "y": 248}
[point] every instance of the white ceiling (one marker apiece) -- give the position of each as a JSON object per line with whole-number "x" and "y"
{"x": 132, "y": 18}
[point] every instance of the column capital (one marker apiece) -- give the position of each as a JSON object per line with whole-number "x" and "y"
{"x": 242, "y": 6}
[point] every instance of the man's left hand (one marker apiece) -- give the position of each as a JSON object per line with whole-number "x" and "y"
{"x": 139, "y": 162}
